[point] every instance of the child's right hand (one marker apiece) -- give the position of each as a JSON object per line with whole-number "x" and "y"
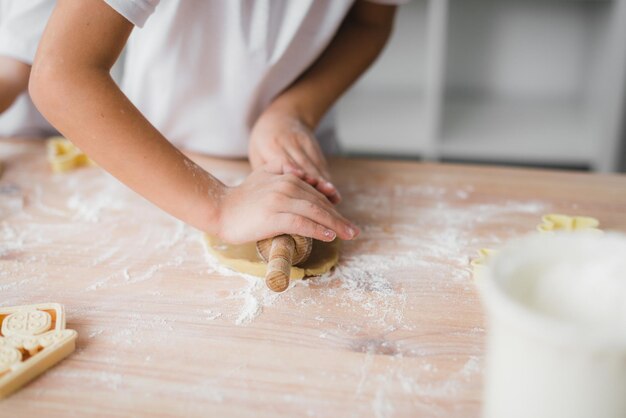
{"x": 267, "y": 204}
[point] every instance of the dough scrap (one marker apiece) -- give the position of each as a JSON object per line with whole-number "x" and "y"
{"x": 65, "y": 156}
{"x": 557, "y": 222}
{"x": 550, "y": 223}
{"x": 244, "y": 258}
{"x": 479, "y": 263}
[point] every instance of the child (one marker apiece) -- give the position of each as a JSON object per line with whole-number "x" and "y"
{"x": 228, "y": 78}
{"x": 21, "y": 25}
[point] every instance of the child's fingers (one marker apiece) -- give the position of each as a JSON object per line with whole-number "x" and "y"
{"x": 315, "y": 177}
{"x": 329, "y": 191}
{"x": 324, "y": 187}
{"x": 330, "y": 219}
{"x": 303, "y": 160}
{"x": 314, "y": 199}
{"x": 313, "y": 150}
{"x": 288, "y": 166}
{"x": 288, "y": 223}
{"x": 283, "y": 166}
{"x": 320, "y": 196}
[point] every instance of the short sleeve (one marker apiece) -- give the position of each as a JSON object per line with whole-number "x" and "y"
{"x": 135, "y": 11}
{"x": 21, "y": 26}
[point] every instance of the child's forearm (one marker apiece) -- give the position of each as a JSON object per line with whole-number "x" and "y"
{"x": 95, "y": 115}
{"x": 78, "y": 96}
{"x": 360, "y": 39}
{"x": 13, "y": 80}
{"x": 71, "y": 85}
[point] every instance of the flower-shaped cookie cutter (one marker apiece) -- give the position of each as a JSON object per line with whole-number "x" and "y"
{"x": 64, "y": 156}
{"x": 33, "y": 339}
{"x": 555, "y": 222}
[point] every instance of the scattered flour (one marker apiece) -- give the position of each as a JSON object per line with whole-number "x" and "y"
{"x": 93, "y": 334}
{"x": 210, "y": 315}
{"x": 432, "y": 243}
{"x": 254, "y": 295}
{"x": 436, "y": 244}
{"x": 91, "y": 378}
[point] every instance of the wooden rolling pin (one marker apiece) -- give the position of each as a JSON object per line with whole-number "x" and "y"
{"x": 280, "y": 253}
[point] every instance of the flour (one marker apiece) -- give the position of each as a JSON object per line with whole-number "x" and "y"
{"x": 178, "y": 235}
{"x": 579, "y": 279}
{"x": 425, "y": 385}
{"x": 11, "y": 200}
{"x": 434, "y": 244}
{"x": 585, "y": 292}
{"x": 210, "y": 315}
{"x": 93, "y": 334}
{"x": 560, "y": 300}
{"x": 91, "y": 378}
{"x": 254, "y": 295}
{"x": 360, "y": 283}
{"x": 37, "y": 202}
{"x": 105, "y": 256}
{"x": 124, "y": 277}
{"x": 12, "y": 240}
{"x": 105, "y": 196}
{"x": 149, "y": 273}
{"x": 381, "y": 405}
{"x": 251, "y": 307}
{"x": 114, "y": 252}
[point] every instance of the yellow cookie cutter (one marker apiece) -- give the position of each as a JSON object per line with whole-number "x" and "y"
{"x": 64, "y": 156}
{"x": 33, "y": 339}
{"x": 556, "y": 222}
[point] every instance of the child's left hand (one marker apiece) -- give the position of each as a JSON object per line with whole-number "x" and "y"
{"x": 284, "y": 142}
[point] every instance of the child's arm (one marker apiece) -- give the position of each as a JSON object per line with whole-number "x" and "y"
{"x": 284, "y": 130}
{"x": 13, "y": 80}
{"x": 71, "y": 85}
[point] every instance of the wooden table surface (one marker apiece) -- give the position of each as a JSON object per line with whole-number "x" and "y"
{"x": 396, "y": 330}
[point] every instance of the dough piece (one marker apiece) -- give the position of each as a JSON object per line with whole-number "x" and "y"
{"x": 34, "y": 338}
{"x": 556, "y": 222}
{"x": 550, "y": 223}
{"x": 480, "y": 262}
{"x": 65, "y": 156}
{"x": 244, "y": 258}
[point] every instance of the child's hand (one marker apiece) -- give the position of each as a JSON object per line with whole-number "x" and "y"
{"x": 267, "y": 204}
{"x": 285, "y": 143}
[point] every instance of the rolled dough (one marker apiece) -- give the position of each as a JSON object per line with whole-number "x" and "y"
{"x": 244, "y": 258}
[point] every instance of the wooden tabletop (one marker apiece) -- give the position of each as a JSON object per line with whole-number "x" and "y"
{"x": 396, "y": 330}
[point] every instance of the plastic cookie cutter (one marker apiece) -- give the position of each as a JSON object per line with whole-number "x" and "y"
{"x": 556, "y": 222}
{"x": 33, "y": 339}
{"x": 64, "y": 156}
{"x": 480, "y": 262}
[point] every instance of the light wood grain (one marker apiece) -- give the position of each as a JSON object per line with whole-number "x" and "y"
{"x": 396, "y": 331}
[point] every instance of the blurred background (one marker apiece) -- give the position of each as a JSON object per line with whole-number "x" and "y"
{"x": 522, "y": 82}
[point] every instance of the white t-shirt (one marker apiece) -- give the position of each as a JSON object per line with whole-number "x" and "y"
{"x": 21, "y": 24}
{"x": 203, "y": 71}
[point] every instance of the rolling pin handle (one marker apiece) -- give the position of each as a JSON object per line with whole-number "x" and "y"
{"x": 279, "y": 263}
